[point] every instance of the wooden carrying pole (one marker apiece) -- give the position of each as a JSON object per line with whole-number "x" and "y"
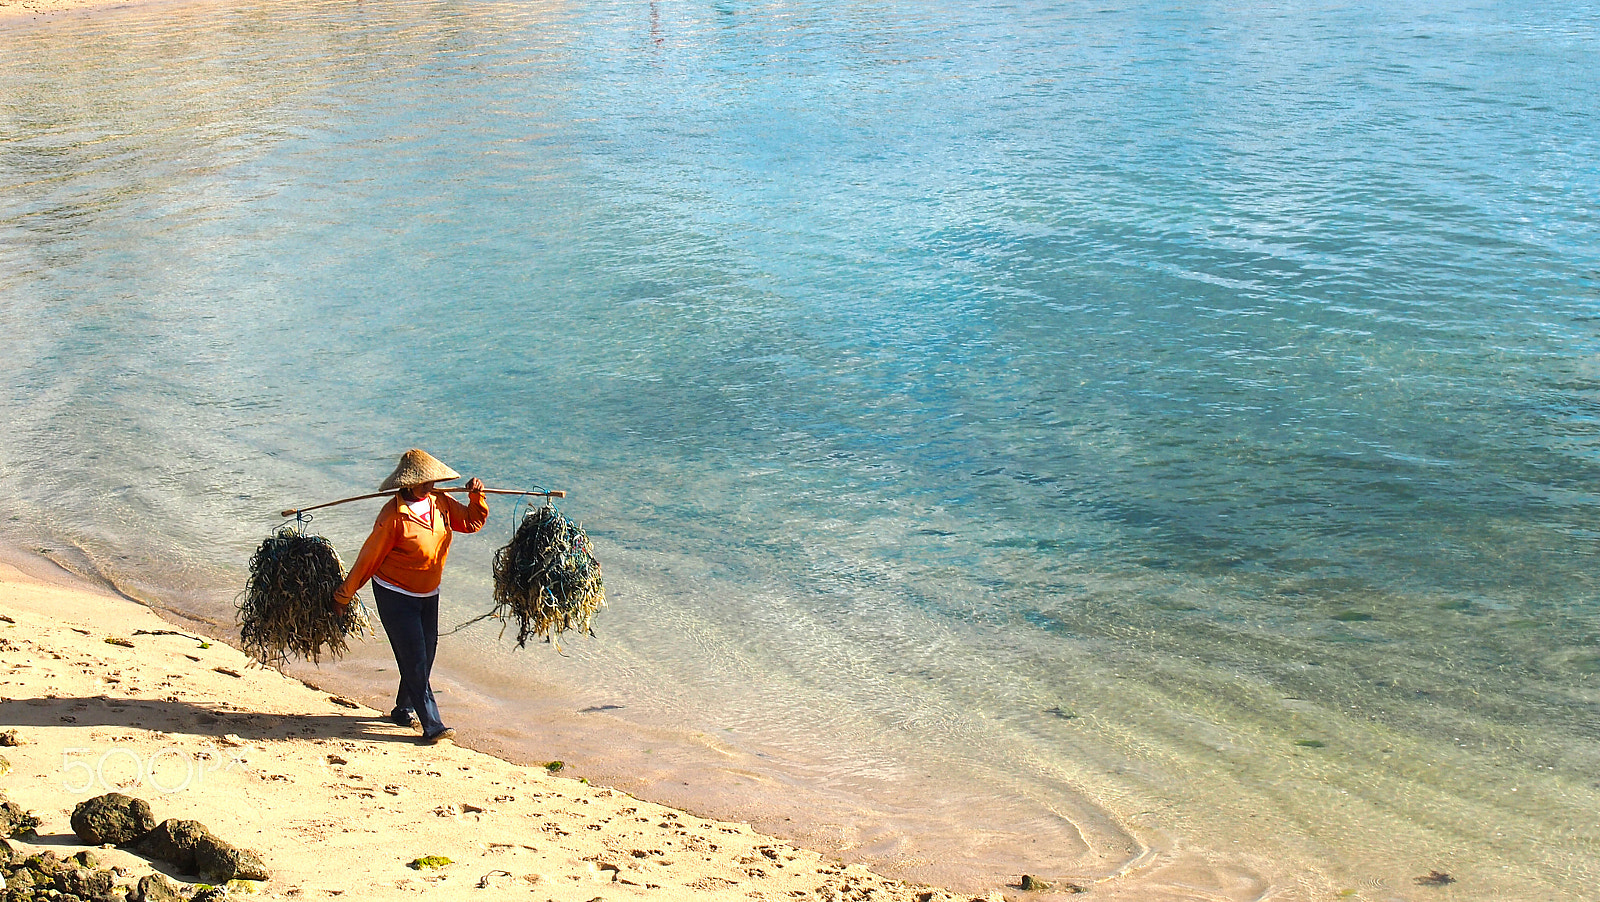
{"x": 300, "y": 510}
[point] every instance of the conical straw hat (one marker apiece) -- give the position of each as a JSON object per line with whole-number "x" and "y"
{"x": 416, "y": 467}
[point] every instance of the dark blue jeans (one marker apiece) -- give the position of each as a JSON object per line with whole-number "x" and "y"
{"x": 413, "y": 627}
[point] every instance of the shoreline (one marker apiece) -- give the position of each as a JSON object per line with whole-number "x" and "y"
{"x": 717, "y": 778}
{"x": 270, "y": 762}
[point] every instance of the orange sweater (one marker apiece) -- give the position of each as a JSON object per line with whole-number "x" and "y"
{"x": 406, "y": 552}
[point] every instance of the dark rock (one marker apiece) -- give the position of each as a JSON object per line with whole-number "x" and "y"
{"x": 175, "y": 842}
{"x": 8, "y": 854}
{"x": 14, "y": 821}
{"x": 87, "y": 859}
{"x": 71, "y": 880}
{"x": 112, "y": 818}
{"x": 46, "y": 864}
{"x": 154, "y": 888}
{"x": 1032, "y": 883}
{"x": 220, "y": 862}
{"x": 11, "y": 739}
{"x": 251, "y": 867}
{"x": 20, "y": 882}
{"x": 192, "y": 849}
{"x": 83, "y": 883}
{"x": 210, "y": 894}
{"x": 5, "y": 765}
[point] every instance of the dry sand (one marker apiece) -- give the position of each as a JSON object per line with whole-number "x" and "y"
{"x": 37, "y": 9}
{"x": 338, "y": 801}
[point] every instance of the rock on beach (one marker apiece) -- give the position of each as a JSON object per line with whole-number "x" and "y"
{"x": 112, "y": 818}
{"x": 192, "y": 849}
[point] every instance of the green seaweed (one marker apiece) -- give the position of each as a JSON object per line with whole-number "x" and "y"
{"x": 547, "y": 577}
{"x": 1352, "y": 617}
{"x": 1311, "y": 743}
{"x": 429, "y": 861}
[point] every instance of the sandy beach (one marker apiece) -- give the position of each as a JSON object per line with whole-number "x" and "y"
{"x": 103, "y": 695}
{"x": 36, "y": 9}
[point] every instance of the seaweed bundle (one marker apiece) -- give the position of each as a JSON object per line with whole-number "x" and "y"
{"x": 287, "y": 608}
{"x": 547, "y": 578}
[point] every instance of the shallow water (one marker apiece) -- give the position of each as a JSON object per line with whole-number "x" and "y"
{"x": 1117, "y": 443}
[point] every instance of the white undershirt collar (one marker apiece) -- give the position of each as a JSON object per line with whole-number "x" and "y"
{"x": 420, "y": 509}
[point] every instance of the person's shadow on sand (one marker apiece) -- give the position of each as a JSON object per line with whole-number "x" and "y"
{"x": 198, "y": 719}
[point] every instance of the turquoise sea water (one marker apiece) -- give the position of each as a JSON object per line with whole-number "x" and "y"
{"x": 1143, "y": 445}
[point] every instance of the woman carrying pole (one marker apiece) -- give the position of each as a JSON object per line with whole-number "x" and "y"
{"x": 404, "y": 557}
